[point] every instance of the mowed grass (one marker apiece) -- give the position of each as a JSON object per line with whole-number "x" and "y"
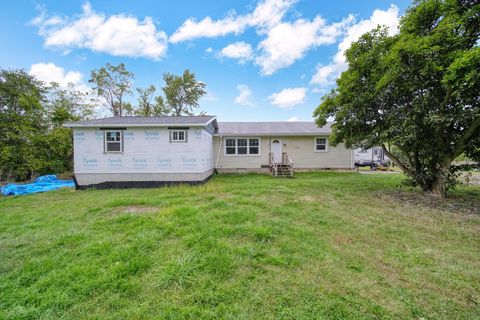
{"x": 320, "y": 246}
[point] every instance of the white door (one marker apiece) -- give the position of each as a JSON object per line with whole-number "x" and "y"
{"x": 276, "y": 149}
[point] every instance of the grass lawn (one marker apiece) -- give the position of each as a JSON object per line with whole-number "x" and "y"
{"x": 322, "y": 245}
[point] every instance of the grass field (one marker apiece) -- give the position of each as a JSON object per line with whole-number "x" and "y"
{"x": 322, "y": 245}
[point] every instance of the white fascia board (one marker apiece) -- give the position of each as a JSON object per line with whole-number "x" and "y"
{"x": 210, "y": 121}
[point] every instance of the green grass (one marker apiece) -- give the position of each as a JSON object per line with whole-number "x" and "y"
{"x": 322, "y": 245}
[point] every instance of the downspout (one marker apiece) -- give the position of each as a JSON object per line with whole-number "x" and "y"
{"x": 218, "y": 152}
{"x": 352, "y": 157}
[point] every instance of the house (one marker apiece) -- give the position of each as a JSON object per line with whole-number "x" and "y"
{"x": 151, "y": 151}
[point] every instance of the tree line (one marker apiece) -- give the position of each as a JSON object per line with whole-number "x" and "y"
{"x": 181, "y": 93}
{"x": 32, "y": 113}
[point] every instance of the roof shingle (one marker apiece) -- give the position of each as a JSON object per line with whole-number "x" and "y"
{"x": 272, "y": 128}
{"x": 139, "y": 121}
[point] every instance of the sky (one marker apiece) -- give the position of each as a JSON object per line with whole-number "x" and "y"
{"x": 261, "y": 60}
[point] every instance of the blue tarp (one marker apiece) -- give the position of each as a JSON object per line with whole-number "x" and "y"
{"x": 41, "y": 184}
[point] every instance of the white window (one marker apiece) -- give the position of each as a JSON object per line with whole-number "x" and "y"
{"x": 178, "y": 135}
{"x": 321, "y": 145}
{"x": 253, "y": 146}
{"x": 242, "y": 146}
{"x": 113, "y": 141}
{"x": 230, "y": 146}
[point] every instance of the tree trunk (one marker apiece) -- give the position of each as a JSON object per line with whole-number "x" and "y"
{"x": 439, "y": 185}
{"x": 439, "y": 188}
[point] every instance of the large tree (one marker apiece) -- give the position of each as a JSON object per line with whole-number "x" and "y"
{"x": 68, "y": 104}
{"x": 149, "y": 105}
{"x": 182, "y": 93}
{"x": 32, "y": 139}
{"x": 113, "y": 83}
{"x": 417, "y": 91}
{"x": 22, "y": 121}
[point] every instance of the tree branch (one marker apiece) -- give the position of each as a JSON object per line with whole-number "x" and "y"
{"x": 395, "y": 159}
{"x": 467, "y": 135}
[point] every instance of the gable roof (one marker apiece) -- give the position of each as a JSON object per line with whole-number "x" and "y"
{"x": 289, "y": 128}
{"x": 135, "y": 121}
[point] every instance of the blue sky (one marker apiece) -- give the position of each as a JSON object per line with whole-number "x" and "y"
{"x": 261, "y": 60}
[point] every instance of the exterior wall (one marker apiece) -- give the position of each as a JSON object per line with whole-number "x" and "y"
{"x": 243, "y": 161}
{"x": 146, "y": 151}
{"x": 149, "y": 156}
{"x": 85, "y": 179}
{"x": 300, "y": 149}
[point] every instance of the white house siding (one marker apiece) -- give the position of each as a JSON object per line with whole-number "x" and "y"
{"x": 146, "y": 151}
{"x": 300, "y": 149}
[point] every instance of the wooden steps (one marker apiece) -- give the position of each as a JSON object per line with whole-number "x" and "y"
{"x": 283, "y": 169}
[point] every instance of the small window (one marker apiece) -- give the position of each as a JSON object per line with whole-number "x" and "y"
{"x": 375, "y": 151}
{"x": 253, "y": 146}
{"x": 178, "y": 136}
{"x": 320, "y": 144}
{"x": 230, "y": 145}
{"x": 113, "y": 141}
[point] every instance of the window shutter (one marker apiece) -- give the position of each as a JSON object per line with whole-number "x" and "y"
{"x": 186, "y": 135}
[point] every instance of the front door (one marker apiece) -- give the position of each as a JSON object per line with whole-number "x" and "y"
{"x": 276, "y": 149}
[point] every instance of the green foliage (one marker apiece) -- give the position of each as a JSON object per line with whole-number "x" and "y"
{"x": 113, "y": 83}
{"x": 147, "y": 107}
{"x": 32, "y": 140}
{"x": 416, "y": 91}
{"x": 22, "y": 118}
{"x": 67, "y": 104}
{"x": 283, "y": 249}
{"x": 182, "y": 94}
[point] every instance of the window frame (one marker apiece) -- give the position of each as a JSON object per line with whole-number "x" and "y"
{"x": 315, "y": 144}
{"x": 177, "y": 131}
{"x": 105, "y": 142}
{"x": 236, "y": 146}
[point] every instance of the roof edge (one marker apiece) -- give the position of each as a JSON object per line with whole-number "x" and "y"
{"x": 137, "y": 125}
{"x": 313, "y": 134}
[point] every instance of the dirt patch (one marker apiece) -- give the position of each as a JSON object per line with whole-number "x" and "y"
{"x": 468, "y": 205}
{"x": 342, "y": 239}
{"x": 306, "y": 198}
{"x": 137, "y": 209}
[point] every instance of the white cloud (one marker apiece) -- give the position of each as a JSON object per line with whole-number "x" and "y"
{"x": 326, "y": 74}
{"x": 284, "y": 42}
{"x": 238, "y": 50}
{"x": 288, "y": 42}
{"x": 118, "y": 35}
{"x": 288, "y": 97}
{"x": 293, "y": 119}
{"x": 244, "y": 97}
{"x": 49, "y": 72}
{"x": 210, "y": 96}
{"x": 267, "y": 14}
{"x": 209, "y": 50}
